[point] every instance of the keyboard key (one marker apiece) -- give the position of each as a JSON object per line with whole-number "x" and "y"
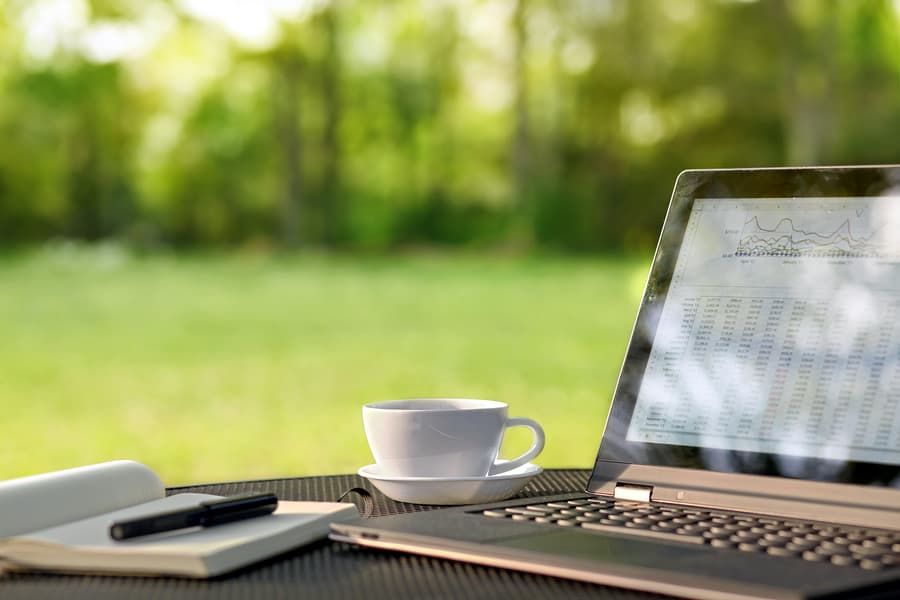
{"x": 890, "y": 560}
{"x": 803, "y": 530}
{"x": 871, "y": 564}
{"x": 834, "y": 546}
{"x": 865, "y": 551}
{"x": 843, "y": 560}
{"x": 842, "y": 540}
{"x": 828, "y": 530}
{"x": 524, "y": 511}
{"x": 540, "y": 508}
{"x": 719, "y": 531}
{"x": 618, "y": 518}
{"x": 831, "y": 550}
{"x": 604, "y": 511}
{"x": 584, "y": 518}
{"x": 786, "y": 533}
{"x": 546, "y": 519}
{"x": 800, "y": 546}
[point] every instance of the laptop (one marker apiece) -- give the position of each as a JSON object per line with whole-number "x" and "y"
{"x": 752, "y": 448}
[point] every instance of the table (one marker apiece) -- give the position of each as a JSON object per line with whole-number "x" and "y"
{"x": 329, "y": 569}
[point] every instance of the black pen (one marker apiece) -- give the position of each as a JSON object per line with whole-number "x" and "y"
{"x": 206, "y": 514}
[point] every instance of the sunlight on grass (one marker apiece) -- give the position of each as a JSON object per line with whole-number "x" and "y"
{"x": 238, "y": 367}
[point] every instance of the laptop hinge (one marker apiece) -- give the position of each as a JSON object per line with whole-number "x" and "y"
{"x": 632, "y": 492}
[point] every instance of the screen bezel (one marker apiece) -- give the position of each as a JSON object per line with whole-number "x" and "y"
{"x": 779, "y": 183}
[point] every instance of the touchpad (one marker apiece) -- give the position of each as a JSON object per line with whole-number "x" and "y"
{"x": 589, "y": 546}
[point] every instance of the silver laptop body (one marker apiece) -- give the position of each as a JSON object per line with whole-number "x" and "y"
{"x": 762, "y": 380}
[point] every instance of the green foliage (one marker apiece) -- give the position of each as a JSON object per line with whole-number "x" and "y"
{"x": 382, "y": 125}
{"x": 201, "y": 365}
{"x": 372, "y": 126}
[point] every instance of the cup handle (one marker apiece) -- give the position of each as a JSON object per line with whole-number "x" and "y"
{"x": 536, "y": 446}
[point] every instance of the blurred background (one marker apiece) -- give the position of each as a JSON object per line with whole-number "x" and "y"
{"x": 226, "y": 225}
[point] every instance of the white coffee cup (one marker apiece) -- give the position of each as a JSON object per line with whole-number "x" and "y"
{"x": 443, "y": 437}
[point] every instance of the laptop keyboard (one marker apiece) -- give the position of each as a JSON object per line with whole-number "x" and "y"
{"x": 841, "y": 545}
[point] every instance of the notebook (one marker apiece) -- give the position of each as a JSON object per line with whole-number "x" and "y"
{"x": 61, "y": 521}
{"x": 752, "y": 447}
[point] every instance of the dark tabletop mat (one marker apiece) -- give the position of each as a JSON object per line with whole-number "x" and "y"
{"x": 336, "y": 570}
{"x": 328, "y": 569}
{"x": 331, "y": 487}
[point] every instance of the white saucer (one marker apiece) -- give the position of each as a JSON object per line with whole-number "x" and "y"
{"x": 451, "y": 490}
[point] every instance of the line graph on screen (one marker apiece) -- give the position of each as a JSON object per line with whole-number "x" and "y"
{"x": 837, "y": 236}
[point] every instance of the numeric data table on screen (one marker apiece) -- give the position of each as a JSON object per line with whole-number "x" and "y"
{"x": 779, "y": 332}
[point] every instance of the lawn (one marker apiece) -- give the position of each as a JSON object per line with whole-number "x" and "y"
{"x": 227, "y": 367}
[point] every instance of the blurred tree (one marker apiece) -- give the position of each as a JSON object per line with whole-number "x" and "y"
{"x": 521, "y": 139}
{"x": 286, "y": 96}
{"x": 383, "y": 124}
{"x": 332, "y": 106}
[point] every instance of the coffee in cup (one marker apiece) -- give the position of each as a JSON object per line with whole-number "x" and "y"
{"x": 443, "y": 437}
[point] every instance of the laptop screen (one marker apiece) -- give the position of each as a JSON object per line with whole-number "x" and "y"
{"x": 769, "y": 337}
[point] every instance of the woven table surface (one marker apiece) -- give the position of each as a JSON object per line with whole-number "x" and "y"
{"x": 328, "y": 569}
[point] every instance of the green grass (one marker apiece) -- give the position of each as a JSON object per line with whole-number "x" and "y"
{"x": 225, "y": 367}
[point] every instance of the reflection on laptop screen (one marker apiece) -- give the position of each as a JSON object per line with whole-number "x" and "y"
{"x": 778, "y": 334}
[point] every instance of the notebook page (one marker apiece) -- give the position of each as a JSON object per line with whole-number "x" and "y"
{"x": 42, "y": 501}
{"x": 93, "y": 533}
{"x": 85, "y": 546}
